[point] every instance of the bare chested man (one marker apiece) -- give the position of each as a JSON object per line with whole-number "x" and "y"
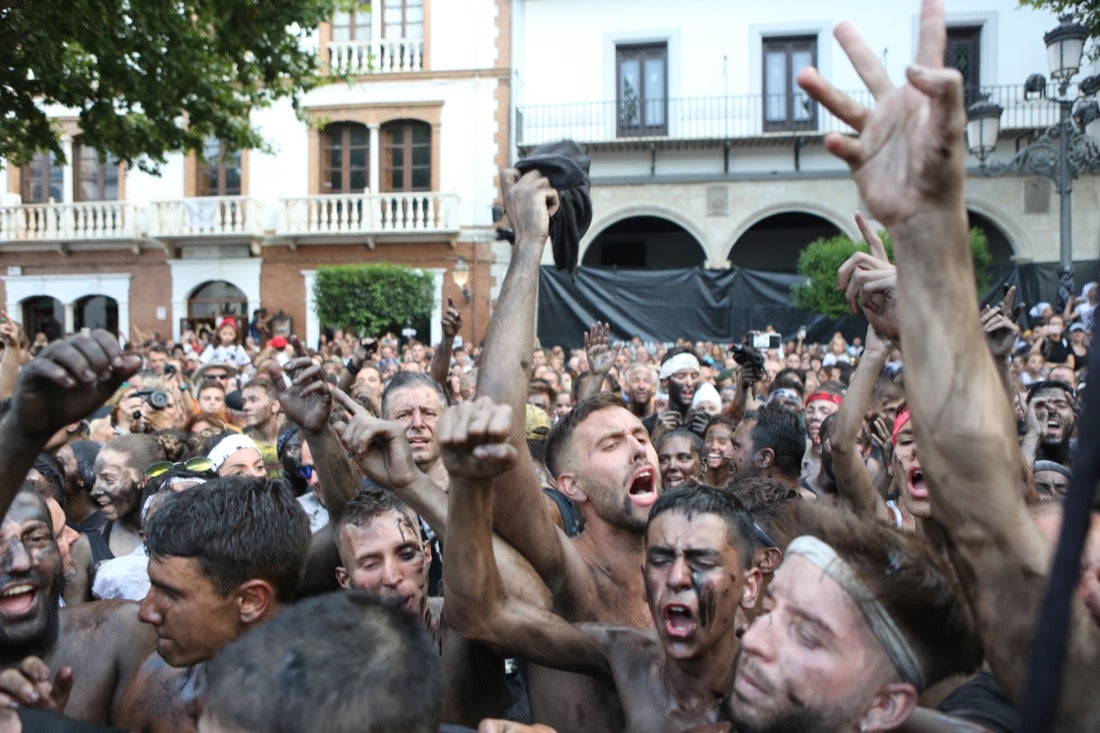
{"x": 697, "y": 574}
{"x": 101, "y": 643}
{"x": 223, "y": 557}
{"x": 909, "y": 165}
{"x": 89, "y": 651}
{"x": 602, "y": 459}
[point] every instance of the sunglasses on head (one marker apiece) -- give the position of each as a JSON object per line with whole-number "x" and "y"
{"x": 306, "y": 471}
{"x": 198, "y": 463}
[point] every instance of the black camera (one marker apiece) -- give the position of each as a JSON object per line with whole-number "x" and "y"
{"x": 155, "y": 398}
{"x": 169, "y": 368}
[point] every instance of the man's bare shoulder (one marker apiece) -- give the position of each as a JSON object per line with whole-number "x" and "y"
{"x": 93, "y": 621}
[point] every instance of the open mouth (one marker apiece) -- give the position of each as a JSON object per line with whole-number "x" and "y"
{"x": 1054, "y": 427}
{"x": 715, "y": 459}
{"x": 643, "y": 487}
{"x": 18, "y": 598}
{"x": 918, "y": 489}
{"x": 679, "y": 621}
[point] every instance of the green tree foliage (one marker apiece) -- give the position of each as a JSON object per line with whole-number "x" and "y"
{"x": 372, "y": 299}
{"x": 821, "y": 259}
{"x": 1085, "y": 12}
{"x": 149, "y": 77}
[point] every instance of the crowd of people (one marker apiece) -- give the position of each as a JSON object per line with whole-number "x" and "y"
{"x": 235, "y": 532}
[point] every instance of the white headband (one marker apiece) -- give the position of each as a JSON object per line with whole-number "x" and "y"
{"x": 230, "y": 445}
{"x": 678, "y": 363}
{"x": 882, "y": 626}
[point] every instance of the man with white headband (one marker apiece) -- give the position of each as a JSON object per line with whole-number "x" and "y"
{"x": 853, "y": 629}
{"x": 679, "y": 376}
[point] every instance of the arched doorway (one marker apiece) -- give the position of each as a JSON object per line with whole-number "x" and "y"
{"x": 214, "y": 300}
{"x": 774, "y": 243}
{"x": 96, "y": 311}
{"x": 45, "y": 314}
{"x": 644, "y": 243}
{"x": 1000, "y": 247}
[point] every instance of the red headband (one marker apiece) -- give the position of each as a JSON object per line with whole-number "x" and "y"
{"x": 827, "y": 396}
{"x": 899, "y": 423}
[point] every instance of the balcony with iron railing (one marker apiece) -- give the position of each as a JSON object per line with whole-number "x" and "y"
{"x": 367, "y": 215}
{"x": 53, "y": 223}
{"x": 748, "y": 118}
{"x": 206, "y": 218}
{"x": 382, "y": 56}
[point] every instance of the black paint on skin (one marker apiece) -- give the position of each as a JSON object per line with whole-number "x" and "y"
{"x": 6, "y": 558}
{"x": 705, "y": 593}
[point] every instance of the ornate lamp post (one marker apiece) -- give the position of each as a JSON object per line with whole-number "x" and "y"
{"x": 1061, "y": 152}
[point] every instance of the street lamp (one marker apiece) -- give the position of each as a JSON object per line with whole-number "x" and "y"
{"x": 1061, "y": 152}
{"x": 460, "y": 273}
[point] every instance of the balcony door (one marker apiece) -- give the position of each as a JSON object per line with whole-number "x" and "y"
{"x": 786, "y": 106}
{"x": 219, "y": 170}
{"x": 406, "y": 156}
{"x": 642, "y": 83}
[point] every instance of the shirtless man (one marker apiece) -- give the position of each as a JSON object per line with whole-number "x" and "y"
{"x": 383, "y": 552}
{"x": 697, "y": 574}
{"x": 909, "y": 165}
{"x": 857, "y": 622}
{"x": 602, "y": 459}
{"x": 223, "y": 557}
{"x": 75, "y": 660}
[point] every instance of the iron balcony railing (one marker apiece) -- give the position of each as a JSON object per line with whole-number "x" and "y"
{"x": 738, "y": 117}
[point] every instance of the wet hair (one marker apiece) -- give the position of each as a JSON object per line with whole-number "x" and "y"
{"x": 704, "y": 499}
{"x": 541, "y": 386}
{"x": 1036, "y": 387}
{"x": 175, "y": 444}
{"x": 288, "y": 446}
{"x": 238, "y": 528}
{"x": 265, "y": 385}
{"x": 344, "y": 662}
{"x": 561, "y": 434}
{"x": 697, "y": 445}
{"x": 365, "y": 506}
{"x": 886, "y": 389}
{"x": 766, "y": 499}
{"x": 51, "y": 470}
{"x": 908, "y": 576}
{"x": 140, "y": 449}
{"x": 782, "y": 430}
{"x": 85, "y": 452}
{"x": 791, "y": 378}
{"x": 406, "y": 380}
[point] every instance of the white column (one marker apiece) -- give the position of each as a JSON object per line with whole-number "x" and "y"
{"x": 68, "y": 190}
{"x": 374, "y": 163}
{"x": 436, "y": 323}
{"x": 70, "y": 319}
{"x": 313, "y": 323}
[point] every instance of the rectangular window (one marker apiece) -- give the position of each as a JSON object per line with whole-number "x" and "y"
{"x": 407, "y": 156}
{"x": 964, "y": 53}
{"x": 642, "y": 83}
{"x": 95, "y": 181}
{"x": 403, "y": 19}
{"x": 786, "y": 106}
{"x": 352, "y": 25}
{"x": 219, "y": 172}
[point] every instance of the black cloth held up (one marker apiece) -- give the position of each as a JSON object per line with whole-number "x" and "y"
{"x": 565, "y": 166}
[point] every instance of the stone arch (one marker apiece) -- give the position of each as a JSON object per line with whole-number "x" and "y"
{"x": 1007, "y": 227}
{"x": 616, "y": 216}
{"x": 774, "y": 241}
{"x": 845, "y": 223}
